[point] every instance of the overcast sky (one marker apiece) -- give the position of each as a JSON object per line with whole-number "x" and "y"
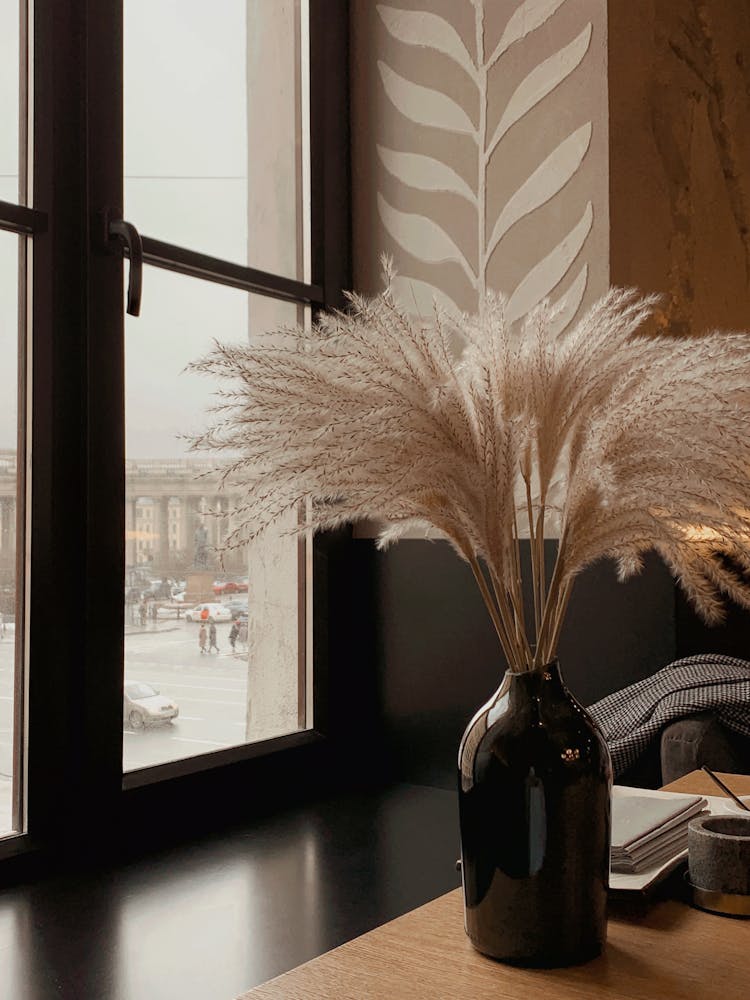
{"x": 185, "y": 182}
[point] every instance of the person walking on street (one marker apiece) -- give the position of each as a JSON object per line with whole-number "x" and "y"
{"x": 202, "y": 638}
{"x": 233, "y": 633}
{"x": 243, "y": 635}
{"x": 212, "y": 638}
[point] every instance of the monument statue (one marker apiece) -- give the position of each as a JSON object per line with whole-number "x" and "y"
{"x": 200, "y": 558}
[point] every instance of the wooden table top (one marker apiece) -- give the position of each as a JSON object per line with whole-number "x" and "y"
{"x": 665, "y": 950}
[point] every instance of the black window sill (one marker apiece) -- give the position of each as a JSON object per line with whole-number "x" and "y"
{"x": 216, "y": 915}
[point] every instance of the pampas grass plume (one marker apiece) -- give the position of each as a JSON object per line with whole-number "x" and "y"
{"x": 612, "y": 441}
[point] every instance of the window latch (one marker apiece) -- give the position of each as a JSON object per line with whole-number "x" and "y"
{"x": 128, "y": 236}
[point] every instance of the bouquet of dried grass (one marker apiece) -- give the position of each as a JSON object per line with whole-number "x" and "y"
{"x": 614, "y": 442}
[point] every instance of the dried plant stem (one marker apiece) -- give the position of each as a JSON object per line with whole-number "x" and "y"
{"x": 518, "y": 588}
{"x": 559, "y": 617}
{"x": 532, "y": 540}
{"x": 544, "y": 647}
{"x": 541, "y": 573}
{"x": 514, "y": 614}
{"x": 504, "y": 601}
{"x": 484, "y": 590}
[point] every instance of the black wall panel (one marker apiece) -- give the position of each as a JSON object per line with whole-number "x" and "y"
{"x": 437, "y": 659}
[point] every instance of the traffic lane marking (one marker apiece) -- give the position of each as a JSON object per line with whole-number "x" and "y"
{"x": 204, "y": 687}
{"x": 183, "y": 739}
{"x": 200, "y": 718}
{"x": 211, "y": 701}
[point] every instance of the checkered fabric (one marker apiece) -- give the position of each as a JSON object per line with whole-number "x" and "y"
{"x": 631, "y": 718}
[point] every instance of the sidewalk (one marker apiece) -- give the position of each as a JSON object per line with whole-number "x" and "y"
{"x": 149, "y": 628}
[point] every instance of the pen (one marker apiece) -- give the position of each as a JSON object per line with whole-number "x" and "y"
{"x": 724, "y": 788}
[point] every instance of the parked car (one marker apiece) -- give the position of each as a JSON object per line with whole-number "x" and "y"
{"x": 157, "y": 589}
{"x": 237, "y": 607}
{"x": 142, "y": 705}
{"x": 230, "y": 586}
{"x": 209, "y": 613}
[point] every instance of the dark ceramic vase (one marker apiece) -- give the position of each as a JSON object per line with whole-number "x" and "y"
{"x": 534, "y": 800}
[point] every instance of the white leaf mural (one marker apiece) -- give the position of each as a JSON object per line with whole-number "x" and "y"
{"x": 413, "y": 27}
{"x": 527, "y": 18}
{"x": 543, "y": 278}
{"x": 421, "y": 237}
{"x": 475, "y": 246}
{"x": 549, "y": 177}
{"x": 420, "y": 296}
{"x": 569, "y": 302}
{"x": 541, "y": 81}
{"x": 424, "y": 172}
{"x": 424, "y": 105}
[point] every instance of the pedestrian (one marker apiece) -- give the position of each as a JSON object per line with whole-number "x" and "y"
{"x": 202, "y": 638}
{"x": 243, "y": 635}
{"x": 212, "y": 638}
{"x": 143, "y": 613}
{"x": 233, "y": 633}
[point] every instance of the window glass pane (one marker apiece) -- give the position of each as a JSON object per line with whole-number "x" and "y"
{"x": 214, "y": 109}
{"x": 249, "y": 684}
{"x": 9, "y": 584}
{"x": 9, "y": 100}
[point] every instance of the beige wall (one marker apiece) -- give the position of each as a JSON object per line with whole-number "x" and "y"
{"x": 680, "y": 157}
{"x": 479, "y": 134}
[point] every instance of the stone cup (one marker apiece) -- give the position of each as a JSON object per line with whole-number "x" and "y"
{"x": 719, "y": 853}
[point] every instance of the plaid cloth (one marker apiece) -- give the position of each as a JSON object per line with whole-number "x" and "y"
{"x": 630, "y": 719}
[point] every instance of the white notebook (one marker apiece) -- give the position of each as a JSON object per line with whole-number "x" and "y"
{"x": 659, "y": 869}
{"x": 637, "y": 819}
{"x": 648, "y": 830}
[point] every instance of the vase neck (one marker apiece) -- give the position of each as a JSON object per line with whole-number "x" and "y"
{"x": 519, "y": 686}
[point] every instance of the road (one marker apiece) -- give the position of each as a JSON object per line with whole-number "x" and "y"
{"x": 210, "y": 690}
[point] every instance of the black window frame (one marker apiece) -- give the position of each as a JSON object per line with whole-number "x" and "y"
{"x": 78, "y": 798}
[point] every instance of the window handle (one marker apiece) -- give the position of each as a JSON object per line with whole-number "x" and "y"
{"x": 119, "y": 229}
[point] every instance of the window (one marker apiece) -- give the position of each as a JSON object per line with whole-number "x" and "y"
{"x": 13, "y": 219}
{"x": 217, "y": 161}
{"x": 111, "y": 540}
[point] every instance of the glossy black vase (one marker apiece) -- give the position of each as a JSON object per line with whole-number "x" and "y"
{"x": 534, "y": 803}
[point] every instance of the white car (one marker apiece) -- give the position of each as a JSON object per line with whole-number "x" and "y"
{"x": 209, "y": 613}
{"x": 142, "y": 705}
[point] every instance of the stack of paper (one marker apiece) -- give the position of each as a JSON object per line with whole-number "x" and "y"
{"x": 649, "y": 831}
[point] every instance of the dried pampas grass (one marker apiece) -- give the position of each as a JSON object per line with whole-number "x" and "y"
{"x": 614, "y": 442}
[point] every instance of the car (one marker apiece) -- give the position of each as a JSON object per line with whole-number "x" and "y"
{"x": 209, "y": 613}
{"x": 143, "y": 705}
{"x": 160, "y": 589}
{"x": 230, "y": 586}
{"x": 237, "y": 607}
